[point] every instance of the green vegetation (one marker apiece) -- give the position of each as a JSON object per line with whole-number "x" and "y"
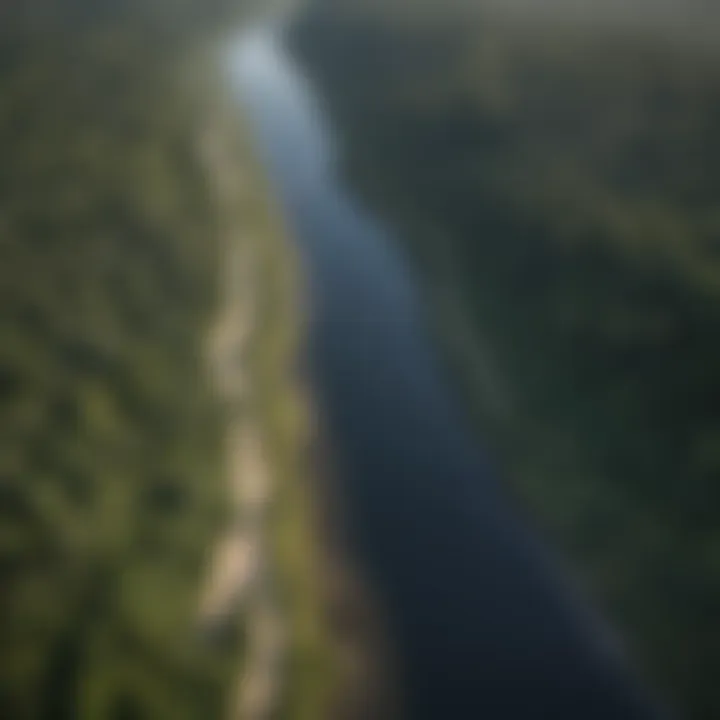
{"x": 558, "y": 187}
{"x": 112, "y": 489}
{"x": 110, "y": 461}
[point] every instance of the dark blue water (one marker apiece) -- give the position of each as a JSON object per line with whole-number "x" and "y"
{"x": 485, "y": 627}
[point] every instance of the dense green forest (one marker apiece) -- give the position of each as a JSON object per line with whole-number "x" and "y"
{"x": 558, "y": 185}
{"x": 111, "y": 484}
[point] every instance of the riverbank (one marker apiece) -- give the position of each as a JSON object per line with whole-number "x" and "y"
{"x": 316, "y": 646}
{"x": 265, "y": 563}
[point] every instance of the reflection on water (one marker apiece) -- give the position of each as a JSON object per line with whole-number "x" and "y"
{"x": 292, "y": 124}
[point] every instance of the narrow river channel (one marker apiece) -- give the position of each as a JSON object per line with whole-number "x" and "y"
{"x": 484, "y": 624}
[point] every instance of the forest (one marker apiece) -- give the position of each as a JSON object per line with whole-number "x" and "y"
{"x": 555, "y": 180}
{"x": 112, "y": 491}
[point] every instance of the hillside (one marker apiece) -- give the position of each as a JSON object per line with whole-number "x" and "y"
{"x": 556, "y": 184}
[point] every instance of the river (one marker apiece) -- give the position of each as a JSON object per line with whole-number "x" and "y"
{"x": 484, "y": 623}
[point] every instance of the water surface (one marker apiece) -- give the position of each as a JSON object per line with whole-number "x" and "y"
{"x": 485, "y": 626}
